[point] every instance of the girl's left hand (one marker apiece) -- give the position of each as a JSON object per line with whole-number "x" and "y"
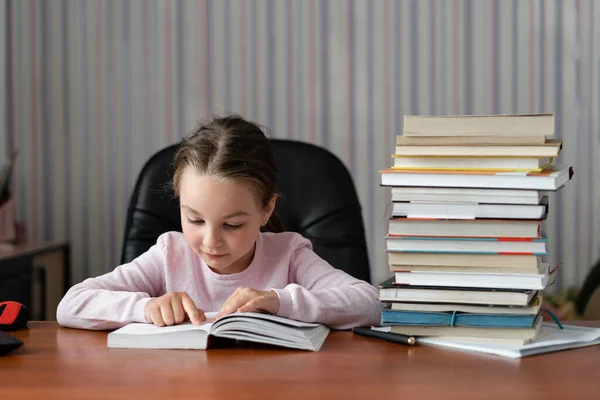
{"x": 249, "y": 300}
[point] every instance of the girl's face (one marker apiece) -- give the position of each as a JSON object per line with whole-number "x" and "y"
{"x": 221, "y": 220}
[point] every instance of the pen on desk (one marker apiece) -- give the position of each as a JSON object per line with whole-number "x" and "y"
{"x": 387, "y": 336}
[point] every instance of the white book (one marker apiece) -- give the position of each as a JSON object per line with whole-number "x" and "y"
{"x": 551, "y": 148}
{"x": 422, "y": 244}
{"x": 532, "y": 308}
{"x": 479, "y": 279}
{"x": 415, "y": 209}
{"x": 251, "y": 327}
{"x": 552, "y": 178}
{"x": 474, "y": 163}
{"x": 389, "y": 292}
{"x": 550, "y": 340}
{"x": 488, "y": 270}
{"x": 464, "y": 195}
{"x": 464, "y": 227}
{"x": 463, "y": 260}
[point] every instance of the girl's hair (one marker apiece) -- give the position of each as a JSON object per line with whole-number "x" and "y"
{"x": 231, "y": 148}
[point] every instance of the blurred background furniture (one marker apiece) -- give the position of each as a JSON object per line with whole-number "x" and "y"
{"x": 36, "y": 275}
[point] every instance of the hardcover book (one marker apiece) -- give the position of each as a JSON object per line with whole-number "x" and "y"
{"x": 397, "y": 317}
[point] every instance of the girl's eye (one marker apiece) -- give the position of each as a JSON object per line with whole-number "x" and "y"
{"x": 232, "y": 226}
{"x": 226, "y": 226}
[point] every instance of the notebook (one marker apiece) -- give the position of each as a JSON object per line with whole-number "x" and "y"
{"x": 550, "y": 340}
{"x": 252, "y": 327}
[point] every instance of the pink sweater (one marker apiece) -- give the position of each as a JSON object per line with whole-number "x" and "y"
{"x": 309, "y": 289}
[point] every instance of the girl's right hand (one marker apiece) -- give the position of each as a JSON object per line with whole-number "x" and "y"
{"x": 173, "y": 308}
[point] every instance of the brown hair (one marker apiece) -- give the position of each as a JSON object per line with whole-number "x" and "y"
{"x": 231, "y": 148}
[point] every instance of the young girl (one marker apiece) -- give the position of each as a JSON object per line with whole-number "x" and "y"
{"x": 225, "y": 179}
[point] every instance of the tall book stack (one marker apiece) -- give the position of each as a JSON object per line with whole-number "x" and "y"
{"x": 466, "y": 239}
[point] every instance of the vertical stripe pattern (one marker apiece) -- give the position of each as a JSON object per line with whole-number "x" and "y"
{"x": 93, "y": 89}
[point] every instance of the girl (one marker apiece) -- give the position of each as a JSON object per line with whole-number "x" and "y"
{"x": 225, "y": 179}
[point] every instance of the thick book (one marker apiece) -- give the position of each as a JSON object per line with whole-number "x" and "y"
{"x": 532, "y": 308}
{"x": 251, "y": 327}
{"x": 551, "y": 148}
{"x": 466, "y": 195}
{"x": 402, "y": 140}
{"x": 390, "y": 292}
{"x": 463, "y": 269}
{"x": 464, "y": 227}
{"x": 467, "y": 245}
{"x": 551, "y": 339}
{"x": 537, "y": 281}
{"x": 524, "y": 334}
{"x": 464, "y": 260}
{"x": 475, "y": 125}
{"x": 549, "y": 179}
{"x": 525, "y": 164}
{"x": 444, "y": 210}
{"x": 482, "y": 320}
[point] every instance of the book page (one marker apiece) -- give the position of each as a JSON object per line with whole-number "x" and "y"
{"x": 257, "y": 318}
{"x": 151, "y": 329}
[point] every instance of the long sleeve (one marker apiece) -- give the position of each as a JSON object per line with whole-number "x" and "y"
{"x": 117, "y": 298}
{"x": 321, "y": 293}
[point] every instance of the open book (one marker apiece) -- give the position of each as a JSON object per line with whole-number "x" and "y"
{"x": 252, "y": 327}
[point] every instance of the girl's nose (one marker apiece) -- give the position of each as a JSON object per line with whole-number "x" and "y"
{"x": 212, "y": 238}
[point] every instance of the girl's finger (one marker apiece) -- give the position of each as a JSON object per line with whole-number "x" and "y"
{"x": 178, "y": 311}
{"x": 156, "y": 317}
{"x": 254, "y": 305}
{"x": 166, "y": 311}
{"x": 231, "y": 305}
{"x": 196, "y": 316}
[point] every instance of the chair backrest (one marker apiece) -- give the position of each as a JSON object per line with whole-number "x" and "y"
{"x": 318, "y": 200}
{"x": 587, "y": 302}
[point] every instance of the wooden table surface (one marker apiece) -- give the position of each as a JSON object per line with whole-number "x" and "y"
{"x": 61, "y": 363}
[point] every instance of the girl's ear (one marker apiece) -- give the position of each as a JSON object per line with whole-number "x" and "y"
{"x": 269, "y": 208}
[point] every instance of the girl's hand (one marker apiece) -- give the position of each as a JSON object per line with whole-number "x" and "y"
{"x": 173, "y": 308}
{"x": 249, "y": 300}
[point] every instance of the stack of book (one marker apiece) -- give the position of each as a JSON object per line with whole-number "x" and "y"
{"x": 465, "y": 240}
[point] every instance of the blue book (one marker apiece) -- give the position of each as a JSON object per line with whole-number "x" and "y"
{"x": 399, "y": 317}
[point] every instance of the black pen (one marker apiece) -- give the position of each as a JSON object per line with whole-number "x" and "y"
{"x": 387, "y": 336}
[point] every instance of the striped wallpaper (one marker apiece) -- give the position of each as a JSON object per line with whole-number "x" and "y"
{"x": 93, "y": 88}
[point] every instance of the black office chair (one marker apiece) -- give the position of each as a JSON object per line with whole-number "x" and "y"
{"x": 318, "y": 200}
{"x": 588, "y": 299}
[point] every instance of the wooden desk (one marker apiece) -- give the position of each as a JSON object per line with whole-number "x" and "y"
{"x": 61, "y": 363}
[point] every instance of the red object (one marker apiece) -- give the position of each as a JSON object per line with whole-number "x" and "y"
{"x": 13, "y": 315}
